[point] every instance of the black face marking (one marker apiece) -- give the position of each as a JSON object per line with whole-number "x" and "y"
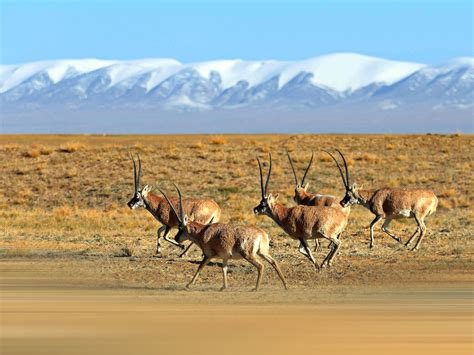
{"x": 262, "y": 207}
{"x": 136, "y": 201}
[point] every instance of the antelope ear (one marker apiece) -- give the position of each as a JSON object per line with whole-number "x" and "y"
{"x": 185, "y": 220}
{"x": 275, "y": 197}
{"x": 305, "y": 186}
{"x": 354, "y": 187}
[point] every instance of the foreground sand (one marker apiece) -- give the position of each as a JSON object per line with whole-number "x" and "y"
{"x": 44, "y": 313}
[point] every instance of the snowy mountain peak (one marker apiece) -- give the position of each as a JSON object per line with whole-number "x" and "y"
{"x": 339, "y": 71}
{"x": 332, "y": 85}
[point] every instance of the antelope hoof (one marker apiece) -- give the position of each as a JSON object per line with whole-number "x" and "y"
{"x": 182, "y": 255}
{"x": 188, "y": 286}
{"x": 398, "y": 239}
{"x": 223, "y": 288}
{"x": 255, "y": 289}
{"x": 158, "y": 254}
{"x": 406, "y": 244}
{"x": 414, "y": 249}
{"x": 371, "y": 246}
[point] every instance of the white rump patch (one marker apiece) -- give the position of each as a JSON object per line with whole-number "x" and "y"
{"x": 405, "y": 213}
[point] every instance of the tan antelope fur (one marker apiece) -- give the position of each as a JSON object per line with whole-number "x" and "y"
{"x": 389, "y": 204}
{"x": 303, "y": 197}
{"x": 303, "y": 222}
{"x": 204, "y": 211}
{"x": 225, "y": 241}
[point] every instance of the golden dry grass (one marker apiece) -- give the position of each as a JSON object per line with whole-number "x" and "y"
{"x": 71, "y": 202}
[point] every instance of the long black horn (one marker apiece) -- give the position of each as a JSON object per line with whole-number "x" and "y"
{"x": 134, "y": 173}
{"x": 339, "y": 167}
{"x": 292, "y": 168}
{"x": 139, "y": 175}
{"x": 181, "y": 208}
{"x": 345, "y": 166}
{"x": 268, "y": 176}
{"x": 171, "y": 205}
{"x": 261, "y": 177}
{"x": 307, "y": 169}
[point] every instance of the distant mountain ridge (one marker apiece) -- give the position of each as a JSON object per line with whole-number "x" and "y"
{"x": 336, "y": 92}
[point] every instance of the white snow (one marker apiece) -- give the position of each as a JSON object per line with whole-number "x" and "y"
{"x": 13, "y": 75}
{"x": 339, "y": 71}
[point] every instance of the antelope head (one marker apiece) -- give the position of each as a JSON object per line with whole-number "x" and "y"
{"x": 138, "y": 199}
{"x": 268, "y": 200}
{"x": 183, "y": 232}
{"x": 351, "y": 196}
{"x": 301, "y": 189}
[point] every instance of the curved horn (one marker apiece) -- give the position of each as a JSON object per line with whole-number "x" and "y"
{"x": 307, "y": 169}
{"x": 134, "y": 173}
{"x": 268, "y": 176}
{"x": 292, "y": 168}
{"x": 339, "y": 167}
{"x": 345, "y": 166}
{"x": 139, "y": 172}
{"x": 261, "y": 177}
{"x": 171, "y": 205}
{"x": 181, "y": 209}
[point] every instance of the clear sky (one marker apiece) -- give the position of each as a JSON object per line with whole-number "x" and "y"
{"x": 426, "y": 31}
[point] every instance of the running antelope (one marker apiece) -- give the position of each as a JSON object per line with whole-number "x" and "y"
{"x": 225, "y": 242}
{"x": 303, "y": 222}
{"x": 204, "y": 211}
{"x": 303, "y": 197}
{"x": 390, "y": 203}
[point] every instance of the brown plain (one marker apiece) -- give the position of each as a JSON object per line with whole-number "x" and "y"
{"x": 78, "y": 274}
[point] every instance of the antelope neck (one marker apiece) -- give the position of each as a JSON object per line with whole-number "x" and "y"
{"x": 152, "y": 209}
{"x": 279, "y": 213}
{"x": 364, "y": 197}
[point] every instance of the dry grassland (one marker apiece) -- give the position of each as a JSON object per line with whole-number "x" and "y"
{"x": 64, "y": 225}
{"x": 65, "y": 197}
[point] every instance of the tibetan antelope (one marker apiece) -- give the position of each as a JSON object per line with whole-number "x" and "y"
{"x": 303, "y": 197}
{"x": 224, "y": 241}
{"x": 204, "y": 211}
{"x": 390, "y": 203}
{"x": 303, "y": 222}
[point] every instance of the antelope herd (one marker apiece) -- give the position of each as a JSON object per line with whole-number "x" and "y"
{"x": 315, "y": 217}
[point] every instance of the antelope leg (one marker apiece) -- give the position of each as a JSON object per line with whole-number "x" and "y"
{"x": 412, "y": 236}
{"x": 274, "y": 264}
{"x": 186, "y": 250}
{"x": 224, "y": 274}
{"x": 204, "y": 262}
{"x": 422, "y": 227}
{"x": 307, "y": 252}
{"x": 372, "y": 224}
{"x": 174, "y": 242}
{"x": 158, "y": 239}
{"x": 255, "y": 262}
{"x": 385, "y": 225}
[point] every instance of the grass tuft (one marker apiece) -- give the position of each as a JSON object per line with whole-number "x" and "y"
{"x": 71, "y": 147}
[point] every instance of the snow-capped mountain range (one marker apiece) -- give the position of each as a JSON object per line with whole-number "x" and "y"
{"x": 343, "y": 88}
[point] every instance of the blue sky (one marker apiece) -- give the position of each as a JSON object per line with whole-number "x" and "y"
{"x": 417, "y": 30}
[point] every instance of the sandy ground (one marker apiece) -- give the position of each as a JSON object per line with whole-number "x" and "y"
{"x": 43, "y": 312}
